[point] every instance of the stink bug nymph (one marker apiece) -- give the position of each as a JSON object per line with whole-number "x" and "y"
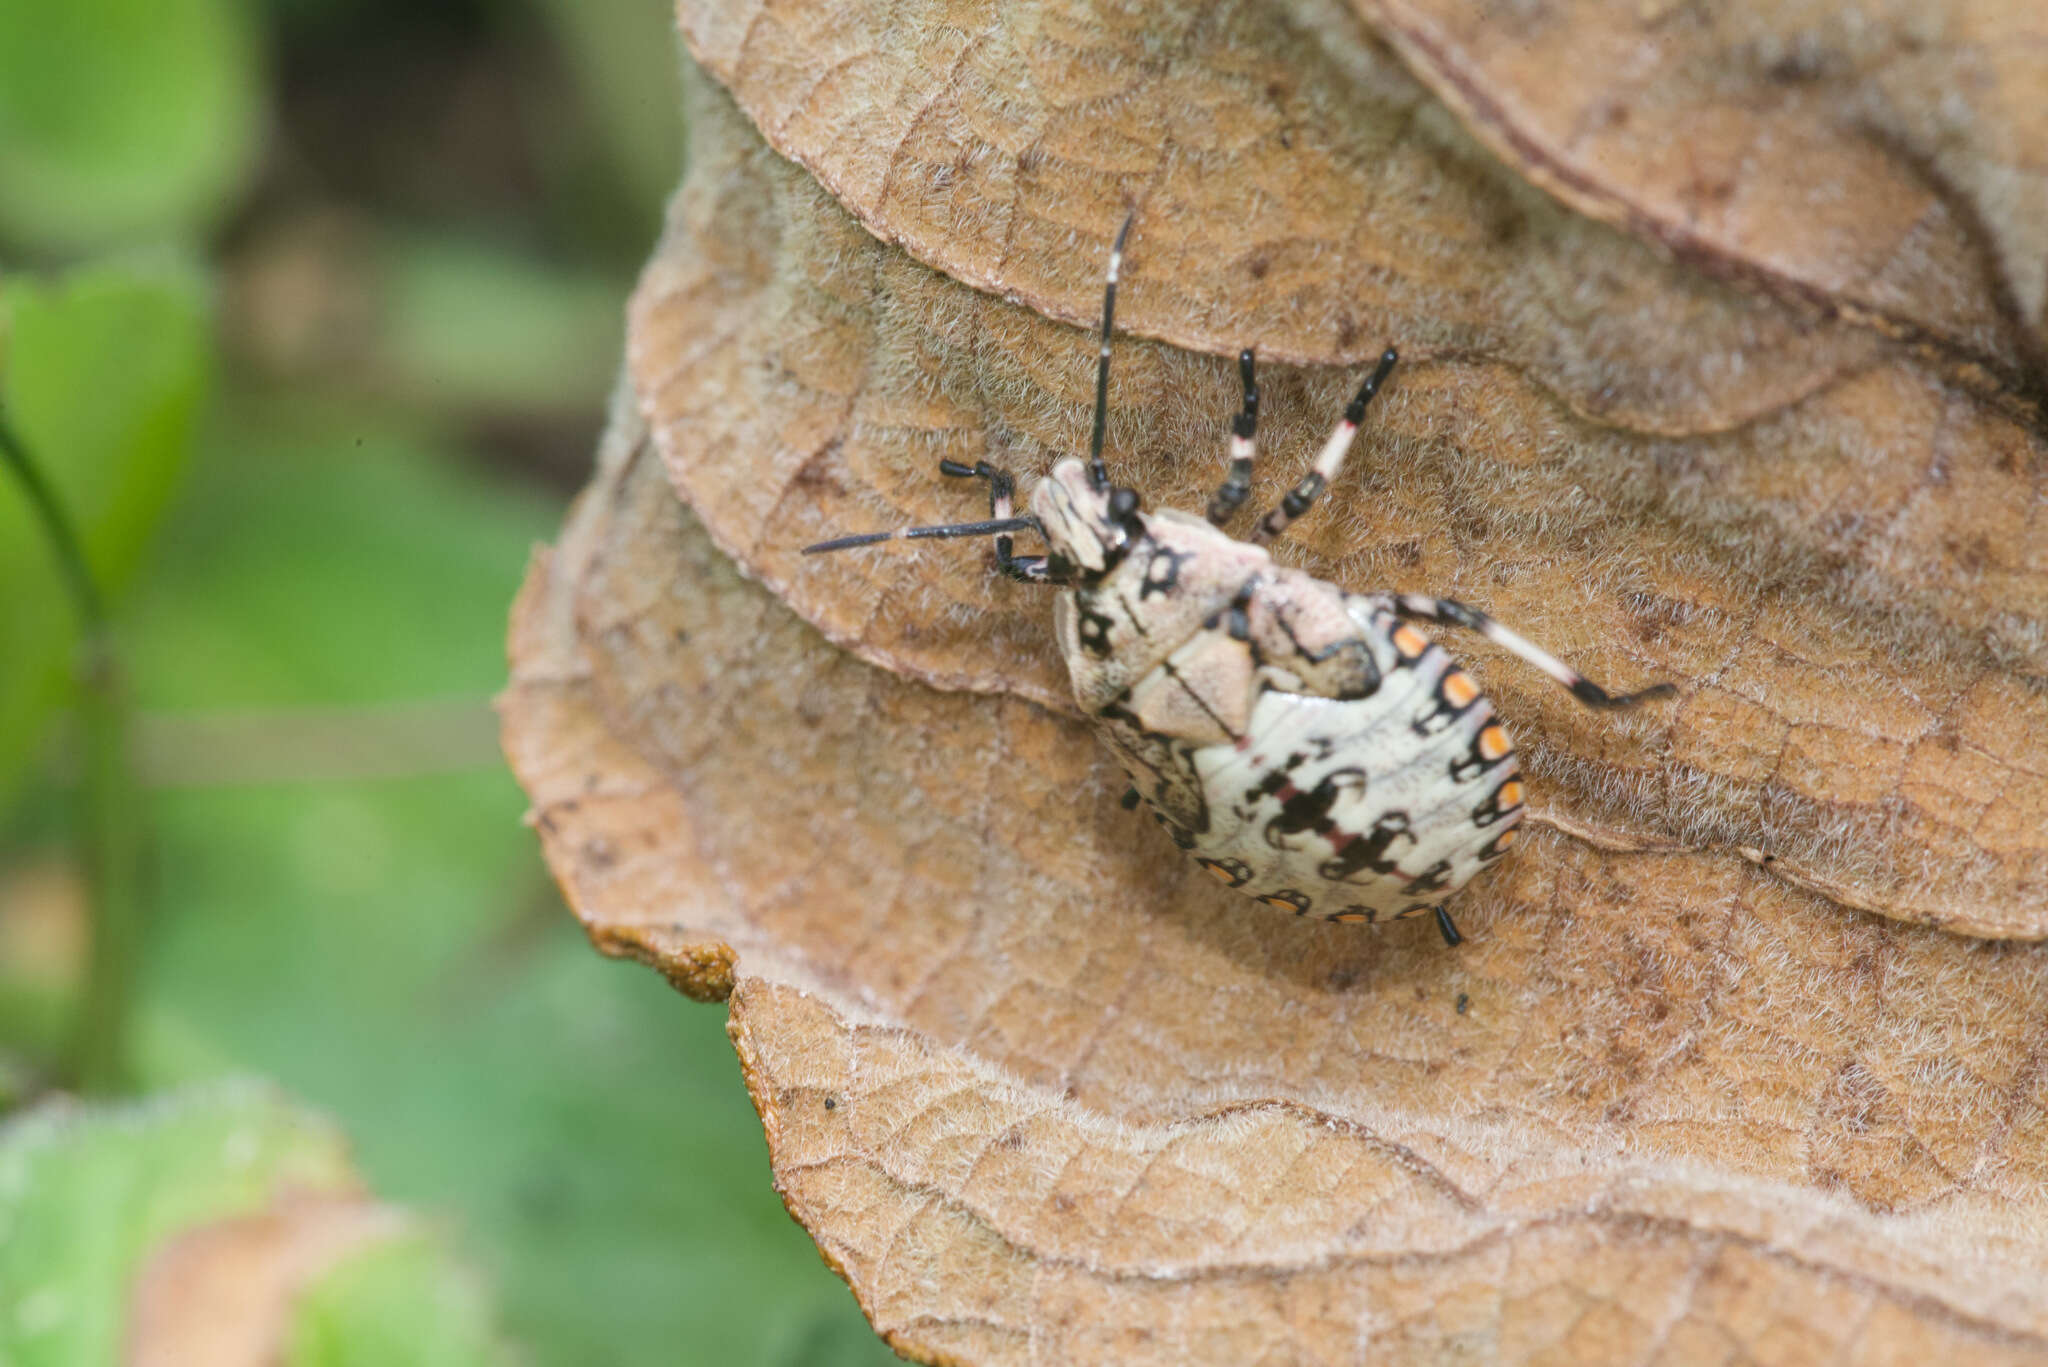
{"x": 1304, "y": 743}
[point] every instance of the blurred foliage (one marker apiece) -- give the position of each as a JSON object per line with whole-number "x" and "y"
{"x": 102, "y": 373}
{"x": 85, "y": 1196}
{"x": 627, "y": 80}
{"x": 92, "y": 1197}
{"x": 123, "y": 118}
{"x": 397, "y": 1304}
{"x": 476, "y": 327}
{"x": 392, "y": 242}
{"x": 391, "y": 951}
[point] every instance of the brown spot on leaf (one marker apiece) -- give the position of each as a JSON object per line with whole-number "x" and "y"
{"x": 224, "y": 1293}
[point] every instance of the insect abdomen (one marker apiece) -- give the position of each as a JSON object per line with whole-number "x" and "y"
{"x": 1360, "y": 808}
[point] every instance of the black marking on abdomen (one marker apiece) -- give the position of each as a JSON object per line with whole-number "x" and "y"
{"x": 1435, "y": 878}
{"x": 1369, "y": 671}
{"x": 1356, "y": 853}
{"x": 1233, "y": 873}
{"x": 1444, "y": 711}
{"x": 1308, "y": 811}
{"x": 1493, "y": 809}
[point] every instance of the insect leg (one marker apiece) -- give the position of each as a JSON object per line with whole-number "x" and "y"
{"x": 1098, "y": 473}
{"x": 1002, "y": 486}
{"x": 1456, "y": 614}
{"x": 1302, "y": 496}
{"x": 1002, "y": 491}
{"x": 1029, "y": 569}
{"x": 1448, "y": 929}
{"x": 1243, "y": 434}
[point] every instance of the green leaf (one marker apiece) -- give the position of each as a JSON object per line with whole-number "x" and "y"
{"x": 86, "y": 1194}
{"x": 102, "y": 375}
{"x": 122, "y": 120}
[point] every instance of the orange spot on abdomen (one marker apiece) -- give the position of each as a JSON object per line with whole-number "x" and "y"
{"x": 1493, "y": 744}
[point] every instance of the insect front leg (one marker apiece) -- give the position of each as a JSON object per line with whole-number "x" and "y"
{"x": 1002, "y": 493}
{"x": 1452, "y": 613}
{"x": 1244, "y": 429}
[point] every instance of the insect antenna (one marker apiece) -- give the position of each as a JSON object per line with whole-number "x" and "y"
{"x": 1098, "y": 473}
{"x": 990, "y": 527}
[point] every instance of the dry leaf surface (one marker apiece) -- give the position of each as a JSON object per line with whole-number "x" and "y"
{"x": 1042, "y": 1096}
{"x": 1038, "y": 1093}
{"x": 1888, "y": 157}
{"x": 1881, "y": 162}
{"x": 1852, "y": 591}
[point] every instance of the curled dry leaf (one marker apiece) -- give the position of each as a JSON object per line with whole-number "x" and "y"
{"x": 1885, "y": 157}
{"x": 1879, "y": 162}
{"x": 1042, "y": 1096}
{"x": 1038, "y": 1093}
{"x": 1853, "y": 591}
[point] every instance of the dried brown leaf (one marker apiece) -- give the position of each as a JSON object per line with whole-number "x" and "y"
{"x": 1879, "y": 164}
{"x": 1296, "y": 188}
{"x": 1854, "y": 591}
{"x": 1040, "y": 1094}
{"x": 1887, "y": 157}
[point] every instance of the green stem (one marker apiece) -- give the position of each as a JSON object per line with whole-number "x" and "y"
{"x": 64, "y": 542}
{"x": 111, "y": 823}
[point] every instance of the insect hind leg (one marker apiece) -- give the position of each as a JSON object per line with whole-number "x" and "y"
{"x": 1452, "y": 613}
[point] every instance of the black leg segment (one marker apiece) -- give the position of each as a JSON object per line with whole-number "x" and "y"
{"x": 1302, "y": 496}
{"x": 1448, "y": 929}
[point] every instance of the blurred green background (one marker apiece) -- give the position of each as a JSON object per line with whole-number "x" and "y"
{"x": 308, "y": 309}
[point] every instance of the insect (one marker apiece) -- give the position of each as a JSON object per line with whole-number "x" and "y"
{"x": 1305, "y": 744}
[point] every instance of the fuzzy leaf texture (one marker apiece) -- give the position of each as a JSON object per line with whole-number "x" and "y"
{"x": 1740, "y": 1061}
